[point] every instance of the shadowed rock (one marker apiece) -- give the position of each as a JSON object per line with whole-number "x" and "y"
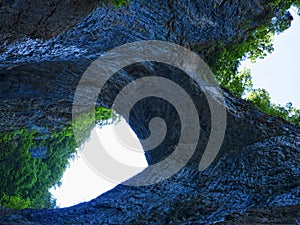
{"x": 256, "y": 173}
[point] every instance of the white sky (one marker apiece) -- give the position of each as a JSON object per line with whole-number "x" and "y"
{"x": 278, "y": 73}
{"x": 81, "y": 183}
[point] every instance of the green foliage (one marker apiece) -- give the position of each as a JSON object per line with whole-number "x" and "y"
{"x": 102, "y": 113}
{"x": 224, "y": 60}
{"x": 25, "y": 180}
{"x": 239, "y": 83}
{"x": 118, "y": 3}
{"x": 85, "y": 122}
{"x": 262, "y": 100}
{"x": 27, "y": 177}
{"x": 15, "y": 202}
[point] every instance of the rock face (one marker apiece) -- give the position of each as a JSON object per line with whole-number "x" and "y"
{"x": 256, "y": 173}
{"x": 188, "y": 23}
{"x": 259, "y": 178}
{"x": 36, "y": 19}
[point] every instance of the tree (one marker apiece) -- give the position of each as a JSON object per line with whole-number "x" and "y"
{"x": 26, "y": 180}
{"x": 224, "y": 61}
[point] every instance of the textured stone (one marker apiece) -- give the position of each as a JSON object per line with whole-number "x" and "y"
{"x": 256, "y": 173}
{"x": 194, "y": 24}
{"x": 39, "y": 19}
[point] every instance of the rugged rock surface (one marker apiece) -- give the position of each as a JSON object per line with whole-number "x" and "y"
{"x": 38, "y": 94}
{"x": 261, "y": 178}
{"x": 188, "y": 23}
{"x": 38, "y": 19}
{"x": 267, "y": 215}
{"x": 256, "y": 174}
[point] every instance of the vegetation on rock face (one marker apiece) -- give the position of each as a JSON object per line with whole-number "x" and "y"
{"x": 24, "y": 178}
{"x": 226, "y": 59}
{"x": 120, "y": 3}
{"x": 32, "y": 161}
{"x": 117, "y": 3}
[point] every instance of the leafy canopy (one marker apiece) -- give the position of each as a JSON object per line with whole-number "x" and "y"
{"x": 225, "y": 61}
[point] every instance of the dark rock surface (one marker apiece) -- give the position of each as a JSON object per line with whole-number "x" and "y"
{"x": 256, "y": 174}
{"x": 266, "y": 215}
{"x": 263, "y": 175}
{"x": 257, "y": 167}
{"x": 39, "y": 19}
{"x": 188, "y": 23}
{"x": 38, "y": 94}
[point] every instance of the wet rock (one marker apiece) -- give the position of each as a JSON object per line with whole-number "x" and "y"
{"x": 256, "y": 173}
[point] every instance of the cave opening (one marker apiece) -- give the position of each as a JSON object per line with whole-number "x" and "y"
{"x": 82, "y": 182}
